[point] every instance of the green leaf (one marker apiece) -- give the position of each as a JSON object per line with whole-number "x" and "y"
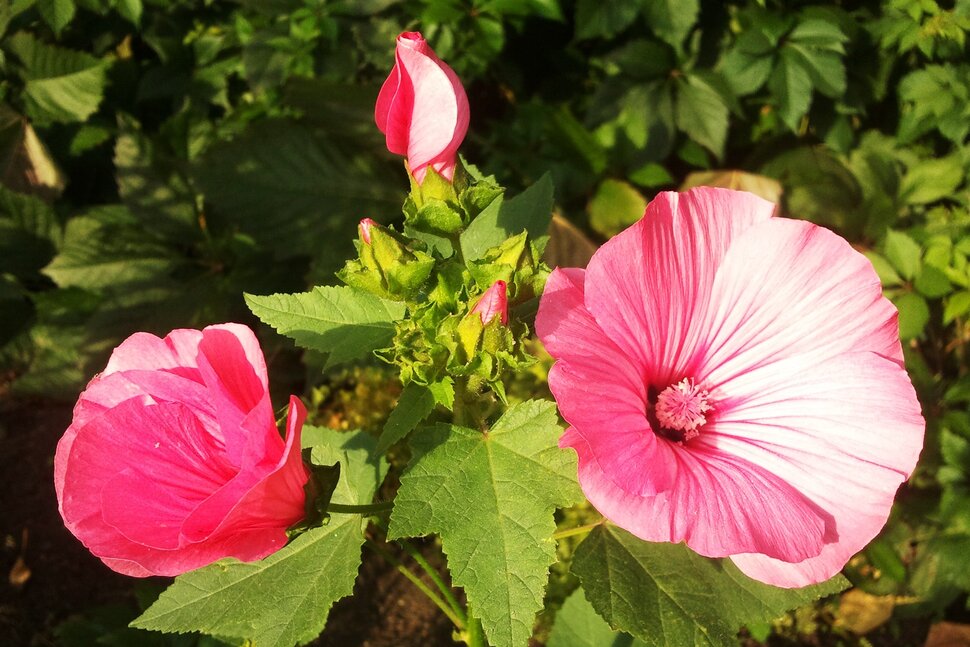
{"x": 932, "y": 179}
{"x": 932, "y": 283}
{"x": 341, "y": 321}
{"x": 956, "y": 306}
{"x": 56, "y": 13}
{"x": 578, "y": 625}
{"x": 414, "y": 405}
{"x": 491, "y": 496}
{"x": 604, "y": 17}
{"x": 60, "y": 85}
{"x": 701, "y": 113}
{"x": 304, "y": 579}
{"x": 666, "y": 594}
{"x": 914, "y": 314}
{"x": 158, "y": 196}
{"x": 671, "y": 20}
{"x": 104, "y": 249}
{"x": 791, "y": 87}
{"x": 884, "y": 269}
{"x": 315, "y": 189}
{"x": 615, "y": 206}
{"x": 529, "y": 211}
{"x": 903, "y": 252}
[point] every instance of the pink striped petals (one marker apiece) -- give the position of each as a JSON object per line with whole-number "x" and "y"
{"x": 173, "y": 459}
{"x": 493, "y": 303}
{"x": 734, "y": 381}
{"x": 422, "y": 109}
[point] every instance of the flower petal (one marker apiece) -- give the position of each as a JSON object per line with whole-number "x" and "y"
{"x": 718, "y": 505}
{"x": 600, "y": 389}
{"x": 845, "y": 432}
{"x": 788, "y": 287}
{"x": 144, "y": 351}
{"x": 645, "y": 285}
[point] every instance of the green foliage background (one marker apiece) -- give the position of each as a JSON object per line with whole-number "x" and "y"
{"x": 159, "y": 158}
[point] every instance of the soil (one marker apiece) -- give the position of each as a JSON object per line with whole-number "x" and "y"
{"x": 49, "y": 577}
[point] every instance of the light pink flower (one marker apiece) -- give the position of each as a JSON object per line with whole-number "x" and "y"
{"x": 494, "y": 303}
{"x": 422, "y": 109}
{"x": 734, "y": 381}
{"x": 173, "y": 459}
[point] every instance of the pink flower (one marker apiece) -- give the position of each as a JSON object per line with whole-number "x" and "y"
{"x": 494, "y": 303}
{"x": 364, "y": 227}
{"x": 734, "y": 381}
{"x": 422, "y": 109}
{"x": 173, "y": 459}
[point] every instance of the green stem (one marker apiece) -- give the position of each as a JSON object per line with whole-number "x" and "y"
{"x": 361, "y": 508}
{"x": 435, "y": 577}
{"x": 424, "y": 588}
{"x": 578, "y": 530}
{"x": 475, "y": 636}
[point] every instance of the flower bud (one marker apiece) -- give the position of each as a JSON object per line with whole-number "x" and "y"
{"x": 493, "y": 303}
{"x": 422, "y": 109}
{"x": 364, "y": 227}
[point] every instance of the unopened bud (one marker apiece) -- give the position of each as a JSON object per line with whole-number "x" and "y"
{"x": 494, "y": 302}
{"x": 364, "y": 227}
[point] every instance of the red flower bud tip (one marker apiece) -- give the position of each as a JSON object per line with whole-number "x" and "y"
{"x": 422, "y": 109}
{"x": 495, "y": 301}
{"x": 364, "y": 227}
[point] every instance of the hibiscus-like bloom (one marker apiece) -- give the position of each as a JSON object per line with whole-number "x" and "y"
{"x": 734, "y": 381}
{"x": 173, "y": 459}
{"x": 422, "y": 109}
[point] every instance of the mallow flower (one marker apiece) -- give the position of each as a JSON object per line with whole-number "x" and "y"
{"x": 173, "y": 459}
{"x": 734, "y": 381}
{"x": 422, "y": 109}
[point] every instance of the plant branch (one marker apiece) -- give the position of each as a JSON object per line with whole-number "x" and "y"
{"x": 435, "y": 577}
{"x": 578, "y": 530}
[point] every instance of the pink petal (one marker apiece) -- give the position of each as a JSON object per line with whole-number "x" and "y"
{"x": 845, "y": 432}
{"x": 788, "y": 287}
{"x": 600, "y": 390}
{"x": 719, "y": 505}
{"x": 142, "y": 467}
{"x": 645, "y": 286}
{"x": 269, "y": 495}
{"x": 147, "y": 352}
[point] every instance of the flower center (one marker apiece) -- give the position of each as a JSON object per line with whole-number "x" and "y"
{"x": 681, "y": 408}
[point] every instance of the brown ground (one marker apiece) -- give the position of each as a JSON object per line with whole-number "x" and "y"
{"x": 65, "y": 581}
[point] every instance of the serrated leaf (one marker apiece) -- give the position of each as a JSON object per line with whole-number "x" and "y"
{"x": 56, "y": 13}
{"x": 414, "y": 405}
{"x": 956, "y": 306}
{"x": 615, "y": 206}
{"x": 914, "y": 314}
{"x": 903, "y": 252}
{"x": 340, "y": 321}
{"x": 666, "y": 594}
{"x": 791, "y": 86}
{"x": 159, "y": 197}
{"x": 671, "y": 20}
{"x": 884, "y": 269}
{"x": 701, "y": 112}
{"x": 604, "y": 17}
{"x": 578, "y": 625}
{"x": 491, "y": 497}
{"x": 105, "y": 250}
{"x": 293, "y": 192}
{"x": 931, "y": 180}
{"x": 60, "y": 85}
{"x": 529, "y": 211}
{"x": 306, "y": 577}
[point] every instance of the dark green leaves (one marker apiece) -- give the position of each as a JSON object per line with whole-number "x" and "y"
{"x": 491, "y": 497}
{"x": 665, "y": 594}
{"x": 340, "y": 321}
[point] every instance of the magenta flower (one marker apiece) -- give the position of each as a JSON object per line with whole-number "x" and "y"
{"x": 494, "y": 303}
{"x": 734, "y": 381}
{"x": 422, "y": 109}
{"x": 173, "y": 459}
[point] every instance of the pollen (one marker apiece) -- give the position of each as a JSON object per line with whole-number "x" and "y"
{"x": 682, "y": 407}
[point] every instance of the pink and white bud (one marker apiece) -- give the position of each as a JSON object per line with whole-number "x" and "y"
{"x": 422, "y": 109}
{"x": 495, "y": 302}
{"x": 364, "y": 227}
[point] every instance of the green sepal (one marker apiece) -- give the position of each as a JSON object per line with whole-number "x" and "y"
{"x": 515, "y": 261}
{"x": 434, "y": 187}
{"x": 319, "y": 490}
{"x": 387, "y": 266}
{"x": 437, "y": 217}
